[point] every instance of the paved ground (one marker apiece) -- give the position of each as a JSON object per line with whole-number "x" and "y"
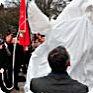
{"x": 21, "y": 86}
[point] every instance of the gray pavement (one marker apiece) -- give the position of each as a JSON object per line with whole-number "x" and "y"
{"x": 21, "y": 86}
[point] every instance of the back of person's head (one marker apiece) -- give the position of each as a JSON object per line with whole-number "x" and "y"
{"x": 58, "y": 59}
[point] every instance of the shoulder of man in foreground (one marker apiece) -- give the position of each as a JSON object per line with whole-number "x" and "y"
{"x": 72, "y": 85}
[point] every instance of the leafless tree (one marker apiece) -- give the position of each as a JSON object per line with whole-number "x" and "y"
{"x": 51, "y": 7}
{"x": 9, "y": 15}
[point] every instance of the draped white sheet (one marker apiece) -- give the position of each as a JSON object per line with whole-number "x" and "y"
{"x": 74, "y": 29}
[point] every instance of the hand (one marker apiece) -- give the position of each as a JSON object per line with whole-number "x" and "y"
{"x": 5, "y": 45}
{"x": 1, "y": 70}
{"x": 1, "y": 46}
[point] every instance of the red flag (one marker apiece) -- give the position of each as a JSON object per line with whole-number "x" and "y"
{"x": 23, "y": 26}
{"x": 27, "y": 38}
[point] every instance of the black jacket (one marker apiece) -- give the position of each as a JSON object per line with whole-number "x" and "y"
{"x": 3, "y": 57}
{"x": 57, "y": 83}
{"x": 3, "y": 64}
{"x": 18, "y": 54}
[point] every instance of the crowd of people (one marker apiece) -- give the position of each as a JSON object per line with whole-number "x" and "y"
{"x": 58, "y": 59}
{"x": 10, "y": 70}
{"x": 48, "y": 64}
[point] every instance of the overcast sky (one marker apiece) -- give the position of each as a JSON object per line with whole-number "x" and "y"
{"x": 2, "y": 1}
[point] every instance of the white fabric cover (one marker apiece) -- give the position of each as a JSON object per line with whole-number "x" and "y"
{"x": 38, "y": 21}
{"x": 73, "y": 29}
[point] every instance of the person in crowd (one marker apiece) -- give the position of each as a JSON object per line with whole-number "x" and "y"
{"x": 27, "y": 55}
{"x": 38, "y": 35}
{"x": 37, "y": 43}
{"x": 42, "y": 39}
{"x": 4, "y": 54}
{"x": 18, "y": 58}
{"x": 58, "y": 81}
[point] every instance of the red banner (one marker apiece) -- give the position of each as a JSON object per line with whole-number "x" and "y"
{"x": 24, "y": 38}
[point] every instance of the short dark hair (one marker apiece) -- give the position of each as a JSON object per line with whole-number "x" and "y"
{"x": 58, "y": 59}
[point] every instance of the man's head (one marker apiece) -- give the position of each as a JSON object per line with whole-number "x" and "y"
{"x": 8, "y": 38}
{"x": 58, "y": 59}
